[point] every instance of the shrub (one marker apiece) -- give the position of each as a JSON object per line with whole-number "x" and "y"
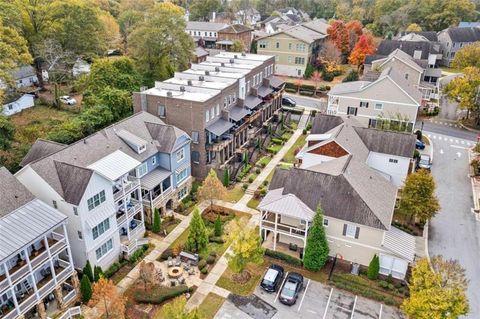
{"x": 304, "y": 132}
{"x": 327, "y": 76}
{"x": 383, "y": 284}
{"x": 258, "y": 171}
{"x": 373, "y": 268}
{"x": 215, "y": 239}
{"x": 86, "y": 288}
{"x": 112, "y": 270}
{"x": 263, "y": 191}
{"x": 98, "y": 273}
{"x": 284, "y": 257}
{"x": 245, "y": 186}
{"x": 204, "y": 270}
{"x": 308, "y": 93}
{"x": 213, "y": 253}
{"x": 289, "y": 90}
{"x": 277, "y": 141}
{"x": 391, "y": 286}
{"x": 217, "y": 227}
{"x": 166, "y": 253}
{"x": 138, "y": 254}
{"x": 351, "y": 76}
{"x": 202, "y": 263}
{"x": 210, "y": 260}
{"x": 251, "y": 179}
{"x": 156, "y": 221}
{"x": 157, "y": 296}
{"x": 307, "y": 87}
{"x": 290, "y": 85}
{"x": 88, "y": 271}
{"x": 419, "y": 135}
{"x": 265, "y": 182}
{"x": 309, "y": 71}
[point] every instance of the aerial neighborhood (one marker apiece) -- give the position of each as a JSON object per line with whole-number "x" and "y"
{"x": 239, "y": 159}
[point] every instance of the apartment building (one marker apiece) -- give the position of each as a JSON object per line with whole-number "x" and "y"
{"x": 207, "y": 31}
{"x": 294, "y": 47}
{"x": 104, "y": 182}
{"x": 453, "y": 39}
{"x": 235, "y": 32}
{"x": 222, "y": 103}
{"x": 37, "y": 276}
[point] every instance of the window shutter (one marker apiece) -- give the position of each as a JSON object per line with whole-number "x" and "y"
{"x": 366, "y": 105}
{"x": 360, "y": 104}
{"x": 357, "y": 232}
{"x": 344, "y": 230}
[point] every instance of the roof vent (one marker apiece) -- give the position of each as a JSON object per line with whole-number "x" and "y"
{"x": 207, "y": 72}
{"x": 235, "y": 56}
{"x": 232, "y": 61}
{"x": 182, "y": 89}
{"x": 217, "y": 69}
{"x": 244, "y": 54}
{"x": 222, "y": 64}
{"x": 201, "y": 78}
{"x": 169, "y": 94}
{"x": 189, "y": 82}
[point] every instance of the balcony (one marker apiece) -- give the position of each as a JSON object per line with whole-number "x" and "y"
{"x": 133, "y": 207}
{"x": 219, "y": 144}
{"x": 136, "y": 231}
{"x": 132, "y": 183}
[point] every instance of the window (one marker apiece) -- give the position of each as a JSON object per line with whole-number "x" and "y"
{"x": 96, "y": 200}
{"x": 229, "y": 99}
{"x": 80, "y": 235}
{"x": 225, "y": 102}
{"x": 299, "y": 60}
{"x": 234, "y": 98}
{"x": 393, "y": 160}
{"x": 154, "y": 160}
{"x": 180, "y": 155}
{"x": 142, "y": 170}
{"x": 207, "y": 116}
{"x": 182, "y": 193}
{"x": 217, "y": 111}
{"x": 182, "y": 175}
{"x": 351, "y": 231}
{"x": 195, "y": 157}
{"x": 161, "y": 111}
{"x": 100, "y": 228}
{"x": 211, "y": 34}
{"x": 54, "y": 202}
{"x": 378, "y": 106}
{"x": 75, "y": 210}
{"x": 289, "y": 46}
{"x": 364, "y": 104}
{"x": 325, "y": 222}
{"x": 277, "y": 45}
{"x": 352, "y": 110}
{"x": 263, "y": 44}
{"x": 195, "y": 136}
{"x": 10, "y": 106}
{"x": 212, "y": 113}
{"x": 289, "y": 59}
{"x": 104, "y": 249}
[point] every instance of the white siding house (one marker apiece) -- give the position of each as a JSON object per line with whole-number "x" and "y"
{"x": 24, "y": 102}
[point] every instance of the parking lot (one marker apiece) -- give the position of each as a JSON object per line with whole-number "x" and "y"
{"x": 320, "y": 301}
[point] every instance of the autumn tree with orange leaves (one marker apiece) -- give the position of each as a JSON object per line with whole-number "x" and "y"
{"x": 364, "y": 47}
{"x": 345, "y": 35}
{"x": 110, "y": 302}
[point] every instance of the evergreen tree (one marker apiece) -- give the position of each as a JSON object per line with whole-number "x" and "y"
{"x": 157, "y": 221}
{"x": 88, "y": 271}
{"x": 308, "y": 71}
{"x": 218, "y": 227}
{"x": 98, "y": 273}
{"x": 197, "y": 237}
{"x": 226, "y": 177}
{"x": 373, "y": 268}
{"x": 86, "y": 288}
{"x": 316, "y": 249}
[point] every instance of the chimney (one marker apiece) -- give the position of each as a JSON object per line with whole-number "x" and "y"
{"x": 189, "y": 82}
{"x": 169, "y": 94}
{"x": 222, "y": 64}
{"x": 235, "y": 56}
{"x": 232, "y": 61}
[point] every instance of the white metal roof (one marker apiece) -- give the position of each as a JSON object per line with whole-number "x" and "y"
{"x": 25, "y": 225}
{"x": 114, "y": 165}
{"x": 400, "y": 243}
{"x": 287, "y": 205}
{"x": 99, "y": 215}
{"x": 154, "y": 177}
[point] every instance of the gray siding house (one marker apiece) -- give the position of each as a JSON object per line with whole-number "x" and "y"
{"x": 453, "y": 39}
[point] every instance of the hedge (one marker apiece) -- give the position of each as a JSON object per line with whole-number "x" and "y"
{"x": 284, "y": 257}
{"x": 304, "y": 92}
{"x": 112, "y": 269}
{"x": 166, "y": 253}
{"x": 290, "y": 85}
{"x": 218, "y": 240}
{"x": 157, "y": 296}
{"x": 307, "y": 87}
{"x": 278, "y": 141}
{"x": 291, "y": 90}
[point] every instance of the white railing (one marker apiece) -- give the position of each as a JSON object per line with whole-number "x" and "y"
{"x": 58, "y": 246}
{"x": 74, "y": 311}
{"x": 19, "y": 273}
{"x": 4, "y": 284}
{"x": 284, "y": 229}
{"x": 69, "y": 296}
{"x": 139, "y": 229}
{"x": 57, "y": 236}
{"x": 133, "y": 246}
{"x": 162, "y": 196}
{"x": 133, "y": 183}
{"x": 28, "y": 303}
{"x": 11, "y": 315}
{"x": 134, "y": 209}
{"x": 121, "y": 219}
{"x": 64, "y": 274}
{"x": 47, "y": 288}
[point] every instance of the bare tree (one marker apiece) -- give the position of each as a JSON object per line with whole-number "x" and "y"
{"x": 147, "y": 273}
{"x": 330, "y": 53}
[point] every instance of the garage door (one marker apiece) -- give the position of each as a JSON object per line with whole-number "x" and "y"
{"x": 394, "y": 266}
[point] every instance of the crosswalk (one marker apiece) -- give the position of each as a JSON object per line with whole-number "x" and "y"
{"x": 445, "y": 123}
{"x": 450, "y": 139}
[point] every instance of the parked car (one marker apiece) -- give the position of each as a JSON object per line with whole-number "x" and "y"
{"x": 424, "y": 162}
{"x": 291, "y": 289}
{"x": 287, "y": 101}
{"x": 419, "y": 145}
{"x": 68, "y": 100}
{"x": 272, "y": 278}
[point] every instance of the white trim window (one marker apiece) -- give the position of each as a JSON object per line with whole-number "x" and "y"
{"x": 378, "y": 106}
{"x": 364, "y": 104}
{"x": 101, "y": 251}
{"x": 217, "y": 110}
{"x": 180, "y": 155}
{"x": 142, "y": 170}
{"x": 96, "y": 200}
{"x": 154, "y": 160}
{"x": 351, "y": 231}
{"x": 212, "y": 113}
{"x": 181, "y": 175}
{"x": 100, "y": 228}
{"x": 207, "y": 116}
{"x": 183, "y": 193}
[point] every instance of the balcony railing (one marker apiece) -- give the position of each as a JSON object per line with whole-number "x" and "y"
{"x": 137, "y": 231}
{"x": 162, "y": 196}
{"x": 121, "y": 219}
{"x": 28, "y": 303}
{"x": 46, "y": 288}
{"x": 283, "y": 229}
{"x": 133, "y": 183}
{"x": 218, "y": 146}
{"x": 71, "y": 295}
{"x": 11, "y": 315}
{"x": 71, "y": 312}
{"x": 64, "y": 274}
{"x": 3, "y": 283}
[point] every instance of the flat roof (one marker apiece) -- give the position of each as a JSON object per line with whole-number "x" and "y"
{"x": 244, "y": 56}
{"x": 229, "y": 60}
{"x": 219, "y": 74}
{"x": 230, "y": 65}
{"x": 177, "y": 94}
{"x": 206, "y": 84}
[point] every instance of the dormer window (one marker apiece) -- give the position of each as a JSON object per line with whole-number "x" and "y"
{"x": 142, "y": 149}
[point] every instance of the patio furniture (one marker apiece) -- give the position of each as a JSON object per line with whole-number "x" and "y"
{"x": 178, "y": 262}
{"x": 181, "y": 280}
{"x": 173, "y": 283}
{"x": 186, "y": 256}
{"x": 175, "y": 272}
{"x": 186, "y": 266}
{"x": 191, "y": 271}
{"x": 170, "y": 262}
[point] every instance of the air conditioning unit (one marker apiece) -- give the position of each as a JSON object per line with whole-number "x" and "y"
{"x": 169, "y": 94}
{"x": 182, "y": 89}
{"x": 232, "y": 61}
{"x": 201, "y": 78}
{"x": 217, "y": 69}
{"x": 189, "y": 82}
{"x": 207, "y": 72}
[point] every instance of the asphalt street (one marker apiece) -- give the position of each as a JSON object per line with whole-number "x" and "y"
{"x": 316, "y": 103}
{"x": 446, "y": 128}
{"x": 454, "y": 231}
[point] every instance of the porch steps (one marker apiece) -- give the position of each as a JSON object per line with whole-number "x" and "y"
{"x": 249, "y": 191}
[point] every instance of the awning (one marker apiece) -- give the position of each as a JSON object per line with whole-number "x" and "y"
{"x": 237, "y": 113}
{"x": 276, "y": 82}
{"x": 154, "y": 178}
{"x": 226, "y": 42}
{"x": 99, "y": 215}
{"x": 115, "y": 165}
{"x": 251, "y": 101}
{"x": 263, "y": 91}
{"x": 219, "y": 127}
{"x": 400, "y": 243}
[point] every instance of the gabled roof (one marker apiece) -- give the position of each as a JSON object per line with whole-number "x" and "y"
{"x": 428, "y": 35}
{"x": 39, "y": 149}
{"x": 466, "y": 24}
{"x": 12, "y": 193}
{"x": 301, "y": 33}
{"x": 23, "y": 72}
{"x": 317, "y": 25}
{"x": 387, "y": 142}
{"x": 73, "y": 181}
{"x": 468, "y": 34}
{"x": 200, "y": 52}
{"x": 386, "y": 47}
{"x": 164, "y": 136}
{"x": 235, "y": 28}
{"x": 114, "y": 165}
{"x": 205, "y": 26}
{"x": 404, "y": 57}
{"x": 400, "y": 243}
{"x": 288, "y": 205}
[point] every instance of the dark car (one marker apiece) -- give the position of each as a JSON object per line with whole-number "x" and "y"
{"x": 272, "y": 278}
{"x": 288, "y": 102}
{"x": 291, "y": 288}
{"x": 419, "y": 145}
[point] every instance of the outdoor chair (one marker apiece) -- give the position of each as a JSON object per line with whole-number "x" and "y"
{"x": 191, "y": 271}
{"x": 181, "y": 280}
{"x": 178, "y": 262}
{"x": 170, "y": 262}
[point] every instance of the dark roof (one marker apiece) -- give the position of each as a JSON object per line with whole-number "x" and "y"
{"x": 388, "y": 46}
{"x": 324, "y": 123}
{"x": 334, "y": 193}
{"x": 164, "y": 136}
{"x": 23, "y": 72}
{"x": 387, "y": 142}
{"x": 74, "y": 180}
{"x": 39, "y": 149}
{"x": 235, "y": 28}
{"x": 373, "y": 57}
{"x": 12, "y": 193}
{"x": 430, "y": 35}
{"x": 469, "y": 34}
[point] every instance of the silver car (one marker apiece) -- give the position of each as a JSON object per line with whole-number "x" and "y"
{"x": 424, "y": 162}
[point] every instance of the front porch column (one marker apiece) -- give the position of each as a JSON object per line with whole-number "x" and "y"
{"x": 75, "y": 282}
{"x": 42, "y": 313}
{"x": 275, "y": 233}
{"x": 59, "y": 297}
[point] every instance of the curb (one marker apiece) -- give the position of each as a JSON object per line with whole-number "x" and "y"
{"x": 304, "y": 96}
{"x": 476, "y": 206}
{"x": 467, "y": 128}
{"x": 425, "y": 235}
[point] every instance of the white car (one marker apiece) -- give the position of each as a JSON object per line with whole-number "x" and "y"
{"x": 68, "y": 100}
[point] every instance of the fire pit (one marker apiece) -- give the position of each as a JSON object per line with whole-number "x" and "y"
{"x": 175, "y": 272}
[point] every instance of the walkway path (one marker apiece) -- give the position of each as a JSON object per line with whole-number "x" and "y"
{"x": 208, "y": 284}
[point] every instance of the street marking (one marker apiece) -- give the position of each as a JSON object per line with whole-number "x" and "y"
{"x": 434, "y": 137}
{"x": 450, "y": 124}
{"x": 380, "y": 314}
{"x": 456, "y": 141}
{"x": 451, "y": 140}
{"x": 463, "y": 142}
{"x": 353, "y": 309}
{"x": 460, "y": 147}
{"x": 469, "y": 144}
{"x": 459, "y": 154}
{"x": 304, "y": 293}
{"x": 328, "y": 303}
{"x": 429, "y": 135}
{"x": 281, "y": 286}
{"x": 441, "y": 151}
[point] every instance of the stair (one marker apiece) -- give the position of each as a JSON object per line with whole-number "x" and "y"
{"x": 249, "y": 191}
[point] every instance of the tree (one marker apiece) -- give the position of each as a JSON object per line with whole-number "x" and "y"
{"x": 373, "y": 268}
{"x": 112, "y": 37}
{"x": 339, "y": 35}
{"x": 127, "y": 21}
{"x": 156, "y": 221}
{"x": 200, "y": 9}
{"x": 217, "y": 227}
{"x": 237, "y": 46}
{"x": 86, "y": 288}
{"x": 308, "y": 71}
{"x": 316, "y": 78}
{"x": 88, "y": 271}
{"x": 413, "y": 27}
{"x": 355, "y": 30}
{"x": 316, "y": 248}
{"x": 440, "y": 293}
{"x": 211, "y": 189}
{"x": 7, "y": 133}
{"x": 197, "y": 236}
{"x": 364, "y": 47}
{"x": 465, "y": 90}
{"x": 418, "y": 198}
{"x": 159, "y": 44}
{"x": 226, "y": 177}
{"x": 110, "y": 302}
{"x": 97, "y": 273}
{"x": 246, "y": 245}
{"x": 177, "y": 309}
{"x": 351, "y": 76}
{"x": 147, "y": 273}
{"x": 298, "y": 83}
{"x": 468, "y": 56}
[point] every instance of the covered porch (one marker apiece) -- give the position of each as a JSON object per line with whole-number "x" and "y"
{"x": 156, "y": 188}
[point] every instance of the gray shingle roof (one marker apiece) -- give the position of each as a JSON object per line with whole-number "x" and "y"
{"x": 429, "y": 35}
{"x": 386, "y": 142}
{"x": 12, "y": 193}
{"x": 468, "y": 34}
{"x": 23, "y": 72}
{"x": 409, "y": 47}
{"x": 318, "y": 25}
{"x": 323, "y": 123}
{"x": 235, "y": 28}
{"x": 74, "y": 180}
{"x": 205, "y": 26}
{"x": 41, "y": 148}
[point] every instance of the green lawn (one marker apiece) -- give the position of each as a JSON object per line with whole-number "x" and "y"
{"x": 227, "y": 282}
{"x": 210, "y": 306}
{"x": 234, "y": 194}
{"x": 290, "y": 156}
{"x": 253, "y": 203}
{"x": 264, "y": 161}
{"x": 274, "y": 148}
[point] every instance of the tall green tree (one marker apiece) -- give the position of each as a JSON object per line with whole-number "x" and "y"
{"x": 316, "y": 248}
{"x": 97, "y": 273}
{"x": 373, "y": 268}
{"x": 200, "y": 9}
{"x": 226, "y": 177}
{"x": 127, "y": 21}
{"x": 211, "y": 189}
{"x": 7, "y": 133}
{"x": 468, "y": 56}
{"x": 86, "y": 288}
{"x": 418, "y": 196}
{"x": 88, "y": 271}
{"x": 465, "y": 89}
{"x": 156, "y": 221}
{"x": 197, "y": 236}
